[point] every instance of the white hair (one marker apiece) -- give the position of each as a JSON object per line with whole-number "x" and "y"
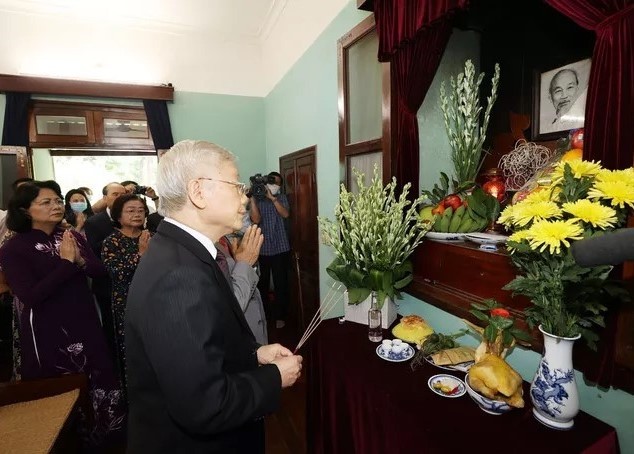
{"x": 181, "y": 164}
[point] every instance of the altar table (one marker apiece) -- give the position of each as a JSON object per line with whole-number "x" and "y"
{"x": 360, "y": 403}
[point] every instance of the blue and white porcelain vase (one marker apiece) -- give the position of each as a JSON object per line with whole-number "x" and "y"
{"x": 554, "y": 389}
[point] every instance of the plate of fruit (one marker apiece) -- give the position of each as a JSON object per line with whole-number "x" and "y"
{"x": 454, "y": 215}
{"x": 446, "y": 385}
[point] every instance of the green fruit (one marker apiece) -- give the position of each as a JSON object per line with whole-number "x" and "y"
{"x": 466, "y": 225}
{"x": 456, "y": 219}
{"x": 483, "y": 223}
{"x": 426, "y": 213}
{"x": 446, "y": 219}
{"x": 436, "y": 226}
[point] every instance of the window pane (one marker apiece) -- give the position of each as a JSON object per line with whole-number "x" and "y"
{"x": 61, "y": 125}
{"x": 95, "y": 171}
{"x": 364, "y": 163}
{"x": 129, "y": 129}
{"x": 364, "y": 90}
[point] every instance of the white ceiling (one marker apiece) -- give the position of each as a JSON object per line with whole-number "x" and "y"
{"x": 241, "y": 19}
{"x": 238, "y": 47}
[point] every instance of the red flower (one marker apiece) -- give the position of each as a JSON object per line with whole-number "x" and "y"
{"x": 500, "y": 312}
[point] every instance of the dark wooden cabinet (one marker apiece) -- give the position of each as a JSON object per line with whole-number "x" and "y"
{"x": 59, "y": 124}
{"x": 453, "y": 275}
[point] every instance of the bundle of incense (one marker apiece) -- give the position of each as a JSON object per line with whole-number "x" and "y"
{"x": 329, "y": 303}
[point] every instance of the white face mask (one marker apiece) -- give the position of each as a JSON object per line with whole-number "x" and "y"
{"x": 275, "y": 189}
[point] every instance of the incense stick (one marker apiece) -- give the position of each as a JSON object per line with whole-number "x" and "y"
{"x": 321, "y": 319}
{"x": 319, "y": 309}
{"x": 321, "y": 312}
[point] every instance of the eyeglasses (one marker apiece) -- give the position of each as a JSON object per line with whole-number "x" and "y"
{"x": 241, "y": 187}
{"x": 48, "y": 203}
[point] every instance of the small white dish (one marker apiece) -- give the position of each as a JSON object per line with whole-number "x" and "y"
{"x": 392, "y": 356}
{"x": 486, "y": 238}
{"x": 446, "y": 385}
{"x": 441, "y": 236}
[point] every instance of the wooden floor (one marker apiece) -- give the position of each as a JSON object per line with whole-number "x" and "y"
{"x": 286, "y": 429}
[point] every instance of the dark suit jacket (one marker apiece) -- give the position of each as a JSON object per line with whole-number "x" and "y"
{"x": 194, "y": 384}
{"x": 97, "y": 228}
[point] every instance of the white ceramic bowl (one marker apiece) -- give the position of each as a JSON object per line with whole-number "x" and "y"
{"x": 490, "y": 406}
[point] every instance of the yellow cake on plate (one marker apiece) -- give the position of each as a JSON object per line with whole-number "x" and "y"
{"x": 412, "y": 328}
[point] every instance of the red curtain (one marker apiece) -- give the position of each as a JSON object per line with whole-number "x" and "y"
{"x": 609, "y": 131}
{"x": 399, "y": 21}
{"x": 413, "y": 69}
{"x": 413, "y": 35}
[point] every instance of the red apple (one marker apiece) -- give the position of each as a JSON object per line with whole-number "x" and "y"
{"x": 454, "y": 201}
{"x": 576, "y": 139}
{"x": 439, "y": 209}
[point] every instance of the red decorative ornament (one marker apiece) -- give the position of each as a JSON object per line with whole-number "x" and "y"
{"x": 494, "y": 185}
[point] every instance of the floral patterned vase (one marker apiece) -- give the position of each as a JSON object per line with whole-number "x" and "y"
{"x": 554, "y": 389}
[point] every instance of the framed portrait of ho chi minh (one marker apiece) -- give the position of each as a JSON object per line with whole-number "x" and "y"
{"x": 559, "y": 100}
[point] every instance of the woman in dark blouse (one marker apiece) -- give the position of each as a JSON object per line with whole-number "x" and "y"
{"x": 47, "y": 269}
{"x": 120, "y": 254}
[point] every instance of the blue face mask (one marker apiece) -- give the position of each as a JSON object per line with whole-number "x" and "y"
{"x": 78, "y": 207}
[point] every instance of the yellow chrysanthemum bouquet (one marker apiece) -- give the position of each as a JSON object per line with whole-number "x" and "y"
{"x": 582, "y": 200}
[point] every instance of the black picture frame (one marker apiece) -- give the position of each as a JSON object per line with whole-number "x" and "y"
{"x": 546, "y": 124}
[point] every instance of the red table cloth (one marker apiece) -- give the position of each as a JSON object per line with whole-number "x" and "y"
{"x": 360, "y": 403}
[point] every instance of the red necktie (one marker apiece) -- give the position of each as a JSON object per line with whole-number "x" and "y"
{"x": 221, "y": 260}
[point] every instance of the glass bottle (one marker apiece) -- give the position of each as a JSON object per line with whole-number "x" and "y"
{"x": 375, "y": 331}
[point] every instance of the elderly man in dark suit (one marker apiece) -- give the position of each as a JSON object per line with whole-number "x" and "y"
{"x": 99, "y": 226}
{"x": 198, "y": 382}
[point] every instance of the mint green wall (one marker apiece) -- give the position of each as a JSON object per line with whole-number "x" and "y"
{"x": 302, "y": 111}
{"x": 233, "y": 122}
{"x": 435, "y": 154}
{"x": 43, "y": 164}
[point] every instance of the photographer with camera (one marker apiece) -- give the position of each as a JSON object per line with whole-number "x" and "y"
{"x": 132, "y": 187}
{"x": 269, "y": 208}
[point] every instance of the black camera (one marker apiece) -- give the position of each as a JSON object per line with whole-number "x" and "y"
{"x": 141, "y": 190}
{"x": 258, "y": 185}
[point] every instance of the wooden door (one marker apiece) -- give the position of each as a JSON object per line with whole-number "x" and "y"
{"x": 15, "y": 162}
{"x": 300, "y": 180}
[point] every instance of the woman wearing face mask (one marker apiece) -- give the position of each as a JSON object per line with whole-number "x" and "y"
{"x": 77, "y": 209}
{"x": 120, "y": 253}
